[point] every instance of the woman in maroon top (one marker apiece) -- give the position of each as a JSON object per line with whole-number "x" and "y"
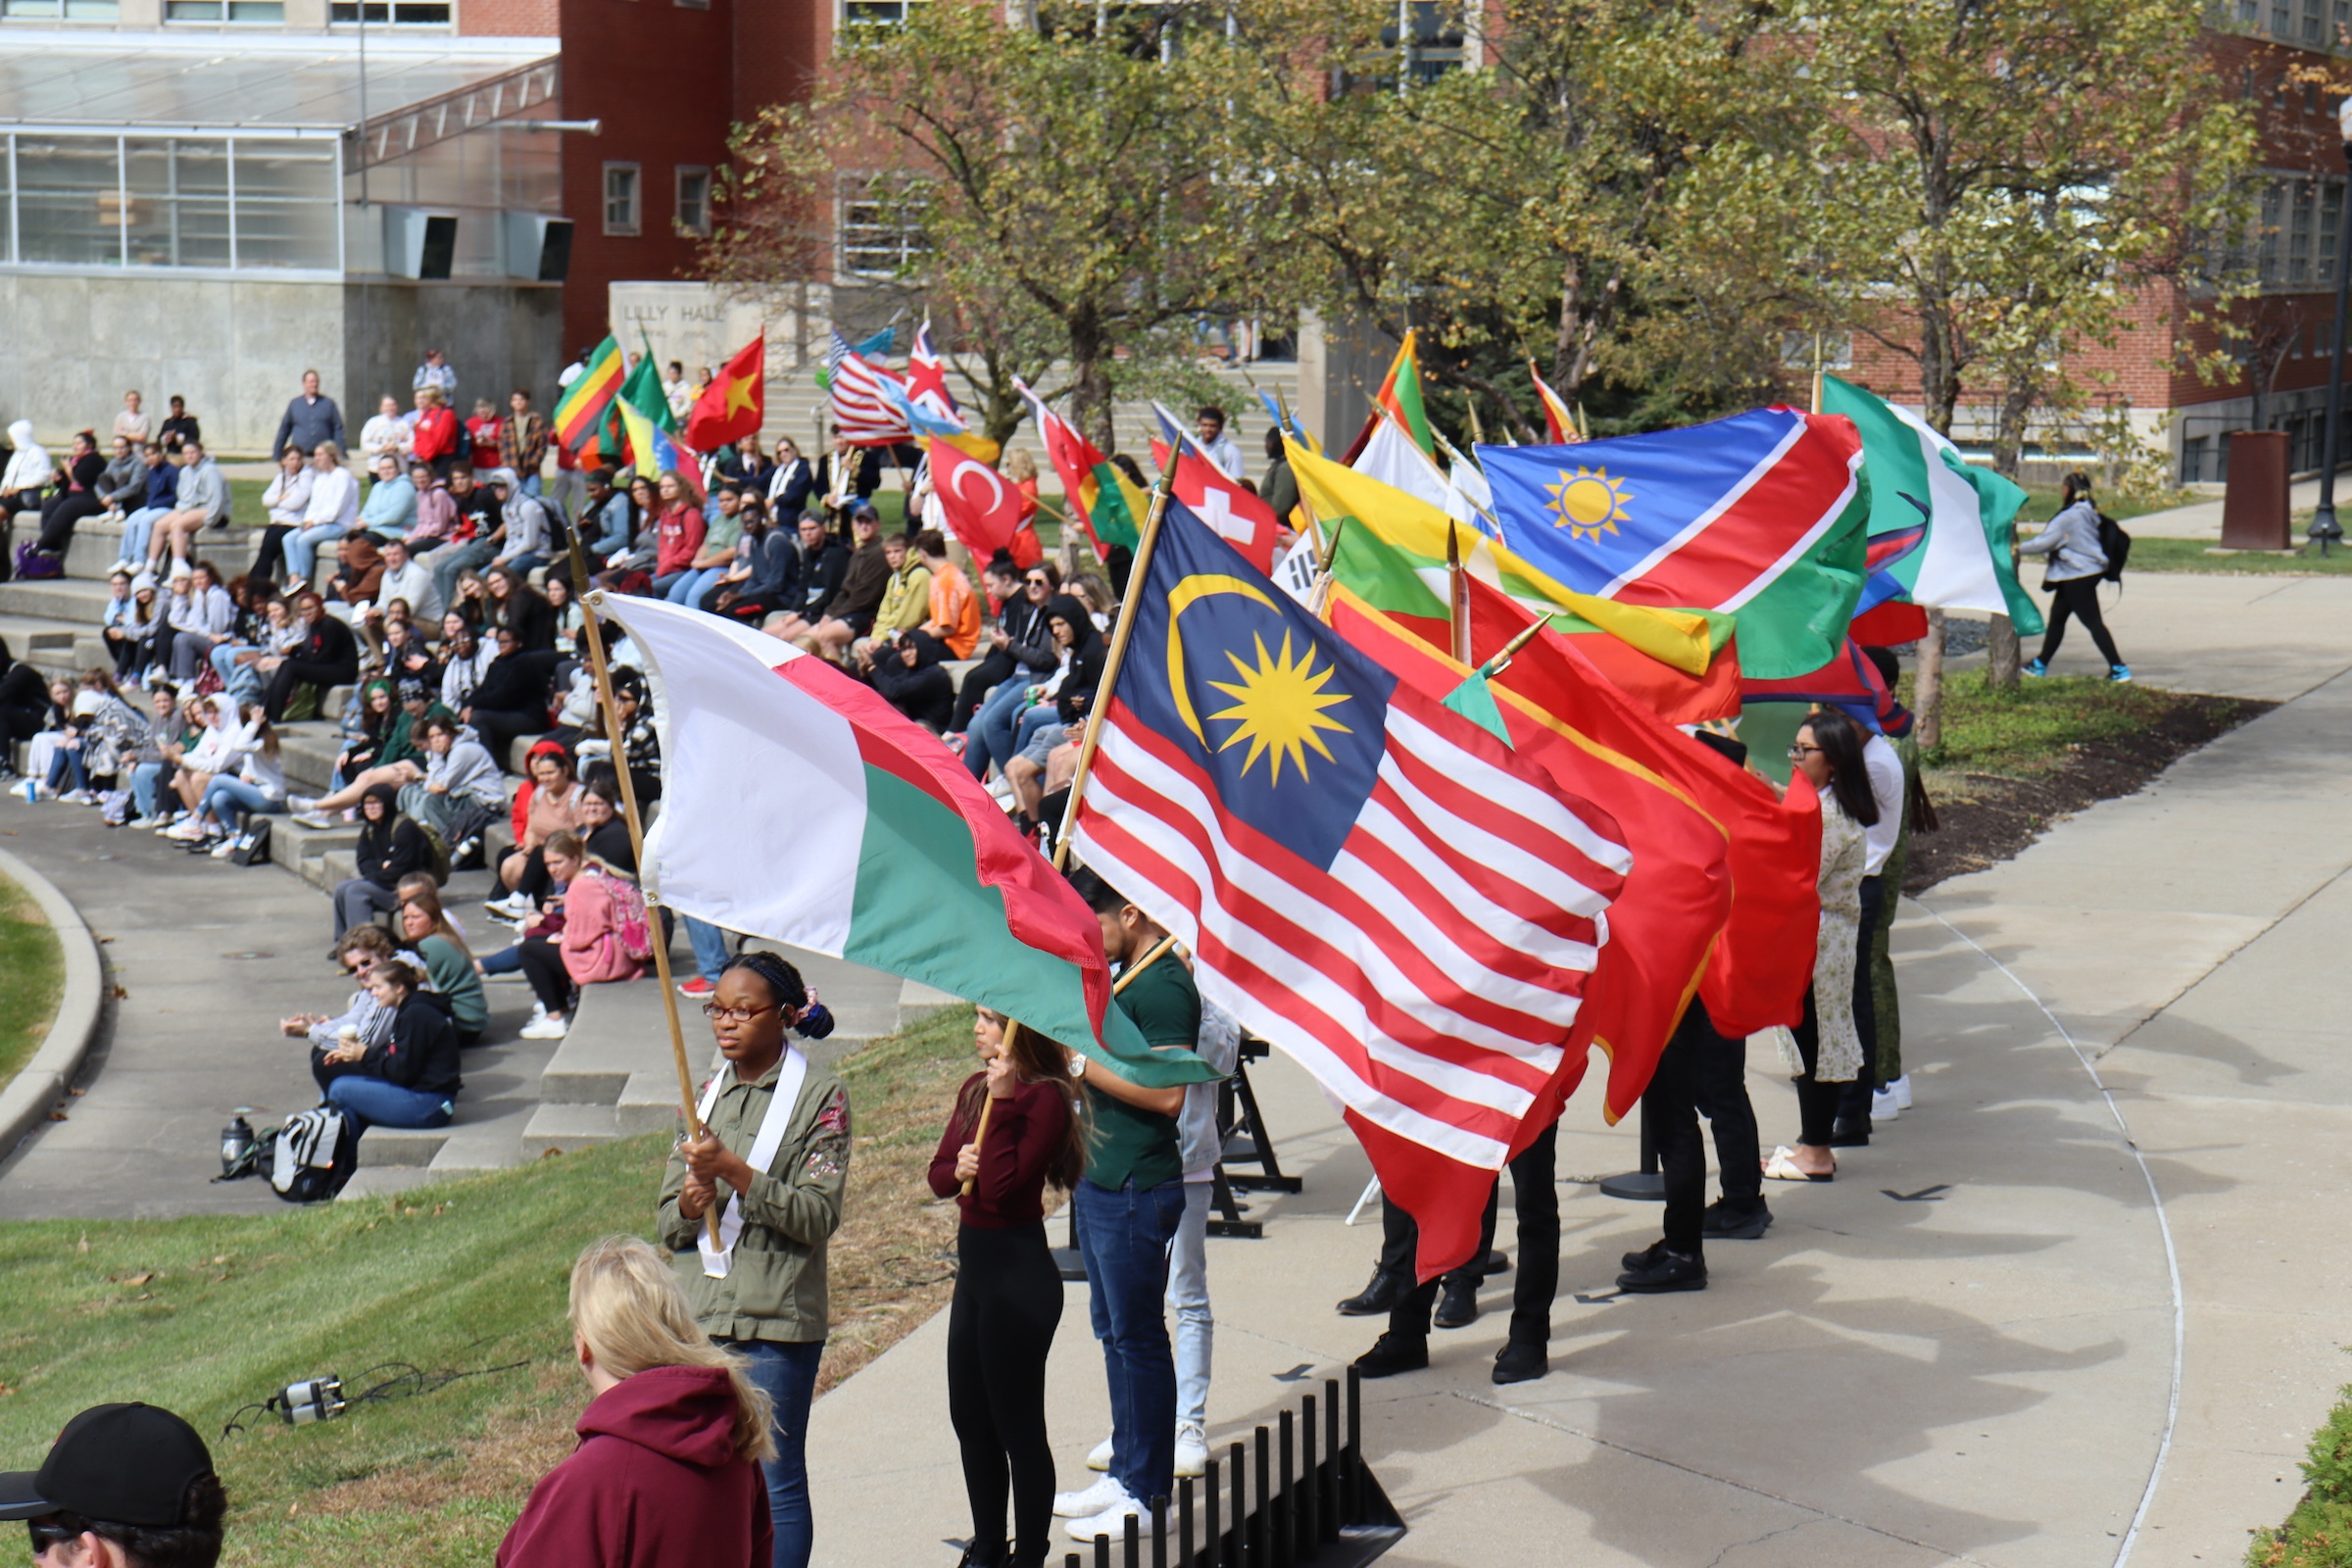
{"x": 1008, "y": 1292}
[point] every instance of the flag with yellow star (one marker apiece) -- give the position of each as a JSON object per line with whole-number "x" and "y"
{"x": 1365, "y": 878}
{"x": 734, "y": 403}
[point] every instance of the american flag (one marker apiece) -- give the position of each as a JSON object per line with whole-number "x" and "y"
{"x": 862, "y": 409}
{"x": 1365, "y": 878}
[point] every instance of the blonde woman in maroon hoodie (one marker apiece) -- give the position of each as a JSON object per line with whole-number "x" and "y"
{"x": 667, "y": 1470}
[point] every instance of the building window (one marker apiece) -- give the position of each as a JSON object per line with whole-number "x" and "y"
{"x": 2315, "y": 23}
{"x": 59, "y": 9}
{"x": 163, "y": 202}
{"x": 2299, "y": 234}
{"x": 2331, "y": 219}
{"x": 2269, "y": 242}
{"x": 393, "y": 13}
{"x": 620, "y": 198}
{"x": 694, "y": 199}
{"x": 874, "y": 13}
{"x": 2283, "y": 20}
{"x": 879, "y": 235}
{"x": 263, "y": 11}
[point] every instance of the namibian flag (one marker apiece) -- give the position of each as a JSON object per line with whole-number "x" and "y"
{"x": 581, "y": 412}
{"x": 1760, "y": 515}
{"x": 803, "y": 808}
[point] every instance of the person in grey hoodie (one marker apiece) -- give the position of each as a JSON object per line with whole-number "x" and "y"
{"x": 458, "y": 775}
{"x": 201, "y": 500}
{"x": 2075, "y": 562}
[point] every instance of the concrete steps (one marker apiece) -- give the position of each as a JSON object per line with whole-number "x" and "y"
{"x": 496, "y": 1104}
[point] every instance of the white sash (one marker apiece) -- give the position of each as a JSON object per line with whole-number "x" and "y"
{"x": 717, "y": 1261}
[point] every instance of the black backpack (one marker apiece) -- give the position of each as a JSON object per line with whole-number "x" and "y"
{"x": 312, "y": 1156}
{"x": 2115, "y": 545}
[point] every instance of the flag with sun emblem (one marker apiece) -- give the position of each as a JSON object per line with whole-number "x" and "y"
{"x": 1364, "y": 877}
{"x": 1762, "y": 515}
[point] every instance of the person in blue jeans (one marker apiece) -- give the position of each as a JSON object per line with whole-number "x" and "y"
{"x": 409, "y": 1078}
{"x": 1129, "y": 1203}
{"x": 772, "y": 1164}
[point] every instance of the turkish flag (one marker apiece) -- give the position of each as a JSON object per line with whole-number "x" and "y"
{"x": 733, "y": 405}
{"x": 1240, "y": 518}
{"x": 981, "y": 505}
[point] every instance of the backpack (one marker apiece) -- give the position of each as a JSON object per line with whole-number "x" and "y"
{"x": 629, "y": 924}
{"x": 314, "y": 1155}
{"x": 436, "y": 852}
{"x": 34, "y": 565}
{"x": 2116, "y": 546}
{"x": 252, "y": 845}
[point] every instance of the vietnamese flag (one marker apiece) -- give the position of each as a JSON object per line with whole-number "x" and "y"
{"x": 735, "y": 403}
{"x": 982, "y": 506}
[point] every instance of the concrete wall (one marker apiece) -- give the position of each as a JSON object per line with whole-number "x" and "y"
{"x": 236, "y": 350}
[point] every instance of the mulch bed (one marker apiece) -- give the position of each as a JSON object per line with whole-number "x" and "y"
{"x": 1987, "y": 819}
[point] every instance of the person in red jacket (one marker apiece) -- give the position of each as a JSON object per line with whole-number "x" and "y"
{"x": 435, "y": 435}
{"x": 1007, "y": 1299}
{"x": 667, "y": 1470}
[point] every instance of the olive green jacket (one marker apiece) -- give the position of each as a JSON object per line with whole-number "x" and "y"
{"x": 775, "y": 1286}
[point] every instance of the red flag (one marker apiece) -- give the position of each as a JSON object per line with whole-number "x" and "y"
{"x": 982, "y": 506}
{"x": 1240, "y": 518}
{"x": 1557, "y": 417}
{"x": 732, "y": 407}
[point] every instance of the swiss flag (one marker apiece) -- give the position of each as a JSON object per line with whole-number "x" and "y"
{"x": 981, "y": 505}
{"x": 1240, "y": 518}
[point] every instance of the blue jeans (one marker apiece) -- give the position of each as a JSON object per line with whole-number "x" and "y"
{"x": 690, "y": 585}
{"x": 136, "y": 529}
{"x": 710, "y": 945}
{"x": 787, "y": 1373}
{"x": 1039, "y": 717}
{"x": 228, "y": 797}
{"x": 301, "y": 547}
{"x": 506, "y": 960}
{"x": 989, "y": 739}
{"x": 450, "y": 560}
{"x": 144, "y": 778}
{"x": 242, "y": 681}
{"x": 66, "y": 769}
{"x": 381, "y": 1102}
{"x": 1188, "y": 1299}
{"x": 1123, "y": 1238}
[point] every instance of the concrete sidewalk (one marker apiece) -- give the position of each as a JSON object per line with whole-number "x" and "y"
{"x": 2009, "y": 1371}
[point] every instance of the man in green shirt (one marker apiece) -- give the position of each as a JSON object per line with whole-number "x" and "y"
{"x": 1128, "y": 1205}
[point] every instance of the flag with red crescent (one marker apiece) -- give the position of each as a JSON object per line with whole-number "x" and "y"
{"x": 981, "y": 505}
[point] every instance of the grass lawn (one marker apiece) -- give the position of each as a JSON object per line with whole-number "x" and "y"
{"x": 2041, "y": 505}
{"x": 205, "y": 1314}
{"x": 2318, "y": 1532}
{"x": 2193, "y": 555}
{"x": 2028, "y": 730}
{"x": 31, "y": 975}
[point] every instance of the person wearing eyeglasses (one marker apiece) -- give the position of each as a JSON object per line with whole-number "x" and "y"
{"x": 772, "y": 1162}
{"x": 1024, "y": 639}
{"x": 124, "y": 1486}
{"x": 1826, "y": 1050}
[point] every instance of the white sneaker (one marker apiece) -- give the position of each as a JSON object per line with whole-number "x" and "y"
{"x": 1112, "y": 1521}
{"x": 186, "y": 831}
{"x": 224, "y": 848}
{"x": 144, "y": 824}
{"x": 301, "y": 804}
{"x": 1089, "y": 1500}
{"x": 543, "y": 1027}
{"x": 1884, "y": 1104}
{"x": 1901, "y": 1090}
{"x": 1192, "y": 1450}
{"x": 1101, "y": 1459}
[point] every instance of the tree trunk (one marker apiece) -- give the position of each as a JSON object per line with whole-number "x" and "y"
{"x": 1927, "y": 690}
{"x": 2001, "y": 653}
{"x": 1090, "y": 379}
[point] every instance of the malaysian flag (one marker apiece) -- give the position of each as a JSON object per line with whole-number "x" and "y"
{"x": 863, "y": 406}
{"x": 1365, "y": 878}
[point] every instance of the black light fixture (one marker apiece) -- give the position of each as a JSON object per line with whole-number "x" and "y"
{"x": 2324, "y": 529}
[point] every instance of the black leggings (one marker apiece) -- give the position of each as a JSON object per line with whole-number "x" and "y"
{"x": 1701, "y": 1072}
{"x": 999, "y": 1328}
{"x": 543, "y": 967}
{"x": 60, "y": 515}
{"x": 499, "y": 729}
{"x": 2078, "y": 597}
{"x": 1536, "y": 1201}
{"x": 532, "y": 880}
{"x": 1816, "y": 1101}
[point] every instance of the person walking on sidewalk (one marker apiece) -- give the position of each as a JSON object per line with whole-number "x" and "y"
{"x": 774, "y": 1158}
{"x": 1008, "y": 1301}
{"x": 2077, "y": 562}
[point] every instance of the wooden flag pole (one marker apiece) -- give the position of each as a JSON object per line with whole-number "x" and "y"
{"x": 1457, "y": 594}
{"x": 1012, "y": 1029}
{"x": 628, "y": 800}
{"x": 1117, "y": 655}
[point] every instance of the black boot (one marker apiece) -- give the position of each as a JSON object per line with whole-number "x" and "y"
{"x": 1378, "y": 1296}
{"x": 1520, "y": 1363}
{"x": 1666, "y": 1271}
{"x": 1391, "y": 1354}
{"x": 1457, "y": 1306}
{"x": 1850, "y": 1131}
{"x": 1726, "y": 1222}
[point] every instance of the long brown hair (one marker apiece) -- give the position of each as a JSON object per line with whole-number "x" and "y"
{"x": 1036, "y": 1059}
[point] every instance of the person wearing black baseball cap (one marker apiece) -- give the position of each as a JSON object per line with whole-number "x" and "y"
{"x": 124, "y": 1486}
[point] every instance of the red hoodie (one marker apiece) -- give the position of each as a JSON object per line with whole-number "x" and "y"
{"x": 654, "y": 1484}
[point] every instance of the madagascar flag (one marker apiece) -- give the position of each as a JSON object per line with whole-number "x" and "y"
{"x": 581, "y": 412}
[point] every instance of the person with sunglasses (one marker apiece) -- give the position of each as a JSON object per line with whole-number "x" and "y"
{"x": 1024, "y": 637}
{"x": 772, "y": 1162}
{"x": 124, "y": 1486}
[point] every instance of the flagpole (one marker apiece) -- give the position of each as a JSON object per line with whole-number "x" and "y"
{"x": 628, "y": 800}
{"x": 1458, "y": 596}
{"x": 1137, "y": 576}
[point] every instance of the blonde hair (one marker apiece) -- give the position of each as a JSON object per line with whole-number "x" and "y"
{"x": 419, "y": 888}
{"x": 628, "y": 1308}
{"x": 1019, "y": 465}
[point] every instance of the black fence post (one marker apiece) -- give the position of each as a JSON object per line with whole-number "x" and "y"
{"x": 1334, "y": 1515}
{"x": 1213, "y": 1549}
{"x": 1310, "y": 1487}
{"x": 1239, "y": 1557}
{"x": 1262, "y": 1538}
{"x": 1355, "y": 1446}
{"x": 1286, "y": 1552}
{"x": 1184, "y": 1522}
{"x": 1133, "y": 1557}
{"x": 1160, "y": 1533}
